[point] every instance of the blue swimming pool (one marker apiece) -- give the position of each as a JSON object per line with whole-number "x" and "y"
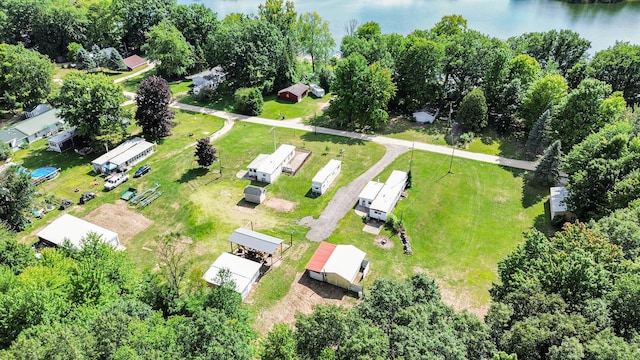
{"x": 46, "y": 172}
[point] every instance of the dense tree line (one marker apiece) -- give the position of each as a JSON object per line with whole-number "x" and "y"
{"x": 93, "y": 304}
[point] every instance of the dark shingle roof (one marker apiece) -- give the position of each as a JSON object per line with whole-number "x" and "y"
{"x": 297, "y": 89}
{"x": 254, "y": 190}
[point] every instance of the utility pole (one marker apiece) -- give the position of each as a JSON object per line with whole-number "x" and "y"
{"x": 453, "y": 145}
{"x": 220, "y": 161}
{"x": 274, "y": 138}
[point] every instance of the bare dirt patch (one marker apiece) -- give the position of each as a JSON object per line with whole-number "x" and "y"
{"x": 383, "y": 242}
{"x": 280, "y": 205}
{"x": 117, "y": 217}
{"x": 304, "y": 295}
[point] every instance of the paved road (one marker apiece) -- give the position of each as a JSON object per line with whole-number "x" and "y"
{"x": 346, "y": 196}
{"x": 296, "y": 124}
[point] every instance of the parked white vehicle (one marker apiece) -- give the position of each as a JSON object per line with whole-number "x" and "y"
{"x": 114, "y": 180}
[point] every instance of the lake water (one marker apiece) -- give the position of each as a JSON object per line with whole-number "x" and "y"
{"x": 602, "y": 24}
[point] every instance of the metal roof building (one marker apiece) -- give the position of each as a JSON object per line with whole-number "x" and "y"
{"x": 339, "y": 265}
{"x": 369, "y": 193}
{"x": 75, "y": 229}
{"x": 325, "y": 176}
{"x": 268, "y": 168}
{"x": 243, "y": 272}
{"x": 255, "y": 240}
{"x": 557, "y": 204}
{"x": 124, "y": 155}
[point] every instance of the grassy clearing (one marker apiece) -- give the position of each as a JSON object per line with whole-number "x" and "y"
{"x": 61, "y": 72}
{"x": 489, "y": 142}
{"x": 460, "y": 225}
{"x": 273, "y": 108}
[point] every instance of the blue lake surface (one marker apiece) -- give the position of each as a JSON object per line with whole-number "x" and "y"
{"x": 602, "y": 24}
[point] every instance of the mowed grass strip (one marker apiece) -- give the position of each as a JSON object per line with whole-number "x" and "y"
{"x": 460, "y": 224}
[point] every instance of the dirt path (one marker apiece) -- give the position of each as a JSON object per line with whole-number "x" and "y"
{"x": 345, "y": 197}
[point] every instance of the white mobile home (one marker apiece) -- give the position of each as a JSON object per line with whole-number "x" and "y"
{"x": 63, "y": 141}
{"x": 389, "y": 195}
{"x": 125, "y": 155}
{"x": 243, "y": 272}
{"x": 268, "y": 168}
{"x": 339, "y": 265}
{"x": 325, "y": 176}
{"x": 369, "y": 193}
{"x": 69, "y": 227}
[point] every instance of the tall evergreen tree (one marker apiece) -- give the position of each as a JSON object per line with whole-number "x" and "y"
{"x": 205, "y": 153}
{"x": 548, "y": 170}
{"x": 153, "y": 113}
{"x": 538, "y": 136}
{"x": 116, "y": 62}
{"x": 84, "y": 60}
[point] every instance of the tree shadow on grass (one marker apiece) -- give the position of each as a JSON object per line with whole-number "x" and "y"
{"x": 532, "y": 193}
{"x": 42, "y": 157}
{"x": 193, "y": 174}
{"x": 318, "y": 137}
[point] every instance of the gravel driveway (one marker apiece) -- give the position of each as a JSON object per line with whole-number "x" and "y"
{"x": 346, "y": 197}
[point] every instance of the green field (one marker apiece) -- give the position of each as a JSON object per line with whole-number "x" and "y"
{"x": 460, "y": 224}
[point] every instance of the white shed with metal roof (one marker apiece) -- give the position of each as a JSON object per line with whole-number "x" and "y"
{"x": 242, "y": 272}
{"x": 123, "y": 156}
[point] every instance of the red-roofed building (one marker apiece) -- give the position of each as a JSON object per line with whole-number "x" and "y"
{"x": 340, "y": 265}
{"x": 294, "y": 93}
{"x": 134, "y": 61}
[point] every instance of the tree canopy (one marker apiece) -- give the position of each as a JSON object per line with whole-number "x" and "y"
{"x": 91, "y": 103}
{"x": 153, "y": 113}
{"x": 166, "y": 44}
{"x": 25, "y": 77}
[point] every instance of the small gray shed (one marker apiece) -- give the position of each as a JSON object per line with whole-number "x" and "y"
{"x": 255, "y": 194}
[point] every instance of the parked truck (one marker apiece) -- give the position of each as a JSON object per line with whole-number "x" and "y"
{"x": 115, "y": 180}
{"x": 128, "y": 194}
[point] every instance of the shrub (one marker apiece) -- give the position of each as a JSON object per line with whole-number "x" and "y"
{"x": 248, "y": 101}
{"x": 325, "y": 77}
{"x": 5, "y": 151}
{"x": 467, "y": 137}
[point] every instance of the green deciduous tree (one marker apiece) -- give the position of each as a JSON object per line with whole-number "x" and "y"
{"x": 472, "y": 112}
{"x": 579, "y": 115}
{"x": 248, "y": 101}
{"x": 543, "y": 94}
{"x": 134, "y": 18}
{"x": 252, "y": 52}
{"x": 166, "y": 44}
{"x": 548, "y": 169}
{"x": 153, "y": 113}
{"x": 197, "y": 23}
{"x": 280, "y": 13}
{"x": 5, "y": 151}
{"x": 362, "y": 94}
{"x": 565, "y": 47}
{"x": 619, "y": 66}
{"x": 418, "y": 72}
{"x": 14, "y": 255}
{"x": 622, "y": 228}
{"x": 280, "y": 344}
{"x": 16, "y": 195}
{"x": 314, "y": 38}
{"x": 91, "y": 103}
{"x": 25, "y": 77}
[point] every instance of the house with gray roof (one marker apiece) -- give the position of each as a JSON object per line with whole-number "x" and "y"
{"x": 32, "y": 129}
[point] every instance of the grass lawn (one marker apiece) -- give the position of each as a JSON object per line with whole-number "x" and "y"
{"x": 205, "y": 206}
{"x": 460, "y": 226}
{"x": 273, "y": 108}
{"x": 438, "y": 133}
{"x": 113, "y": 75}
